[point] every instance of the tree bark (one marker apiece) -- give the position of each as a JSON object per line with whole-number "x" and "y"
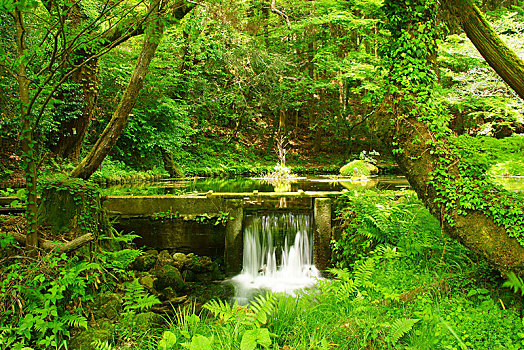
{"x": 401, "y": 123}
{"x": 114, "y": 128}
{"x": 26, "y": 136}
{"x": 476, "y": 231}
{"x": 60, "y": 247}
{"x": 74, "y": 130}
{"x": 170, "y": 165}
{"x": 498, "y": 55}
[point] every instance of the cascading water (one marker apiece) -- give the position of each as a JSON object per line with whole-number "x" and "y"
{"x": 278, "y": 255}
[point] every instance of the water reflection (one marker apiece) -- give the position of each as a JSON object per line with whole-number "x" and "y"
{"x": 244, "y": 184}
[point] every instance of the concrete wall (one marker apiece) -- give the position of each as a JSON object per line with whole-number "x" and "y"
{"x": 136, "y": 213}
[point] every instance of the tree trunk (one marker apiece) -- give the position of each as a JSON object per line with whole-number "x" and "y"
{"x": 500, "y": 57}
{"x": 435, "y": 171}
{"x": 114, "y": 128}
{"x": 170, "y": 165}
{"x": 26, "y": 136}
{"x": 417, "y": 161}
{"x": 73, "y": 131}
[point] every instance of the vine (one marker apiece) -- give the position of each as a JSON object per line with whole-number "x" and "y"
{"x": 461, "y": 185}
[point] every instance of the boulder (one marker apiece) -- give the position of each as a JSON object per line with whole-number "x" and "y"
{"x": 179, "y": 260}
{"x": 164, "y": 258}
{"x": 168, "y": 276}
{"x": 147, "y": 281}
{"x": 144, "y": 262}
{"x": 153, "y": 252}
{"x": 85, "y": 339}
{"x": 358, "y": 168}
{"x": 180, "y": 257}
{"x": 107, "y": 305}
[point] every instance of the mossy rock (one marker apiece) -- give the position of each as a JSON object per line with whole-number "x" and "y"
{"x": 107, "y": 305}
{"x": 169, "y": 276}
{"x": 148, "y": 281}
{"x": 146, "y": 321}
{"x": 199, "y": 264}
{"x": 358, "y": 168}
{"x": 164, "y": 258}
{"x": 144, "y": 262}
{"x": 85, "y": 340}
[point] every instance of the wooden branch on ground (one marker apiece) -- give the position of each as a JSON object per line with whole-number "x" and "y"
{"x": 50, "y": 245}
{"x": 280, "y": 13}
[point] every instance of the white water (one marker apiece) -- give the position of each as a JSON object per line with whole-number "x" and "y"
{"x": 278, "y": 256}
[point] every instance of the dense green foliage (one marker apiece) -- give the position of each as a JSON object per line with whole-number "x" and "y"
{"x": 408, "y": 287}
{"x": 230, "y": 81}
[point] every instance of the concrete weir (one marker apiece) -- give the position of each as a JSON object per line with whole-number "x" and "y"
{"x": 131, "y": 212}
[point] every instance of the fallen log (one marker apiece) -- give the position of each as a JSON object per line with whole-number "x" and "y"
{"x": 58, "y": 246}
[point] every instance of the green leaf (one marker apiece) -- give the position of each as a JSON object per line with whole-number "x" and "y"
{"x": 252, "y": 337}
{"x": 168, "y": 341}
{"x": 199, "y": 342}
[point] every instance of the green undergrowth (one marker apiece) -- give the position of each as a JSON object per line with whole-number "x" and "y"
{"x": 113, "y": 171}
{"x": 400, "y": 283}
{"x": 47, "y": 298}
{"x": 501, "y": 157}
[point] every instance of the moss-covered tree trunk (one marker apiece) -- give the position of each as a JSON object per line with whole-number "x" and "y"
{"x": 71, "y": 208}
{"x": 418, "y": 161}
{"x": 118, "y": 121}
{"x": 487, "y": 221}
{"x": 498, "y": 55}
{"x": 26, "y": 135}
{"x": 74, "y": 130}
{"x": 170, "y": 165}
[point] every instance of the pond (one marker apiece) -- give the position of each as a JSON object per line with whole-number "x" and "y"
{"x": 248, "y": 184}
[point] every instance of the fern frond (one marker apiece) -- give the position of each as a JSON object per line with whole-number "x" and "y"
{"x": 260, "y": 308}
{"x": 346, "y": 289}
{"x": 74, "y": 320}
{"x": 221, "y": 309}
{"x": 514, "y": 282}
{"x": 100, "y": 345}
{"x": 263, "y": 303}
{"x": 364, "y": 273}
{"x": 136, "y": 298}
{"x": 400, "y": 327}
{"x": 341, "y": 274}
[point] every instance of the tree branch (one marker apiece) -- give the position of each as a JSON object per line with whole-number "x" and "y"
{"x": 60, "y": 247}
{"x": 280, "y": 13}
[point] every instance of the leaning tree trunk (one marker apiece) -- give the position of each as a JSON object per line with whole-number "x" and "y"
{"x": 498, "y": 55}
{"x": 482, "y": 218}
{"x": 417, "y": 161}
{"x": 118, "y": 121}
{"x": 74, "y": 130}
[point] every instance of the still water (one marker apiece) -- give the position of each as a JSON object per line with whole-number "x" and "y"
{"x": 248, "y": 184}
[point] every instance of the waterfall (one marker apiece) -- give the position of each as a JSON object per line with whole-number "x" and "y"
{"x": 278, "y": 255}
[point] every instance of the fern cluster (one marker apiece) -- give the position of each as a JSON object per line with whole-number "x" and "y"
{"x": 42, "y": 300}
{"x": 369, "y": 219}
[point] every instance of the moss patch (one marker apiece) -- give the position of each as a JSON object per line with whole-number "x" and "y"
{"x": 357, "y": 168}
